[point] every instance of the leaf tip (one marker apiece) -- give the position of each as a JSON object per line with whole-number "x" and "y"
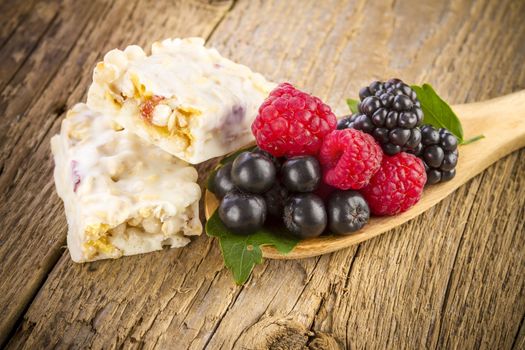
{"x": 472, "y": 139}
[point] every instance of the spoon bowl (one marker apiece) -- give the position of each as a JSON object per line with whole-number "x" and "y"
{"x": 501, "y": 138}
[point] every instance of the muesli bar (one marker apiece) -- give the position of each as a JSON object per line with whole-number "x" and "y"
{"x": 122, "y": 195}
{"x": 185, "y": 98}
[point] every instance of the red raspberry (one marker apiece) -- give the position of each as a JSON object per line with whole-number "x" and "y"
{"x": 397, "y": 185}
{"x": 291, "y": 122}
{"x": 349, "y": 158}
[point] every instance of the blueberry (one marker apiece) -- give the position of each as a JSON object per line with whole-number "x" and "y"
{"x": 347, "y": 212}
{"x": 305, "y": 215}
{"x": 253, "y": 172}
{"x": 301, "y": 174}
{"x": 242, "y": 213}
{"x": 222, "y": 182}
{"x": 276, "y": 161}
{"x": 275, "y": 199}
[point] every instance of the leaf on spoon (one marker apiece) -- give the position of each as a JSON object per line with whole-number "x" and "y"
{"x": 242, "y": 253}
{"x": 352, "y": 104}
{"x": 439, "y": 114}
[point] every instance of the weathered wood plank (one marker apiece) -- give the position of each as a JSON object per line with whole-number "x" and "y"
{"x": 21, "y": 280}
{"x": 24, "y": 38}
{"x": 12, "y": 14}
{"x": 31, "y": 80}
{"x": 407, "y": 300}
{"x": 423, "y": 269}
{"x": 519, "y": 339}
{"x": 29, "y": 206}
{"x": 404, "y": 289}
{"x": 485, "y": 300}
{"x": 402, "y": 300}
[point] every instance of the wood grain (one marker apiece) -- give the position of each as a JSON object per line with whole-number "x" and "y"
{"x": 453, "y": 277}
{"x": 13, "y": 14}
{"x": 53, "y": 78}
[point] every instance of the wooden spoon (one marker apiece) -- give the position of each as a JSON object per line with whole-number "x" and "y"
{"x": 501, "y": 120}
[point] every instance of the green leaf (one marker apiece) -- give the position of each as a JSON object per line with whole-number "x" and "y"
{"x": 352, "y": 104}
{"x": 242, "y": 253}
{"x": 211, "y": 177}
{"x": 437, "y": 112}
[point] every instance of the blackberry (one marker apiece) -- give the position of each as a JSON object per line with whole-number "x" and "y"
{"x": 439, "y": 152}
{"x": 344, "y": 122}
{"x": 391, "y": 112}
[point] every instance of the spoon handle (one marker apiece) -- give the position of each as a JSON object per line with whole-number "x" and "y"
{"x": 500, "y": 120}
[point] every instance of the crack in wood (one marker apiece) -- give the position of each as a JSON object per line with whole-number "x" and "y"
{"x": 449, "y": 280}
{"x": 230, "y": 305}
{"x": 519, "y": 333}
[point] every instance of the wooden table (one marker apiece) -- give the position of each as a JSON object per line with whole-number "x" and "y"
{"x": 453, "y": 278}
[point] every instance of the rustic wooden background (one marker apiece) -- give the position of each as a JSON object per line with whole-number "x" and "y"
{"x": 453, "y": 278}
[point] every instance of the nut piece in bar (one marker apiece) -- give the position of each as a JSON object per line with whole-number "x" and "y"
{"x": 122, "y": 195}
{"x": 185, "y": 98}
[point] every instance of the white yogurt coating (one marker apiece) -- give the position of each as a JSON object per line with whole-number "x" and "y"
{"x": 203, "y": 104}
{"x": 122, "y": 195}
